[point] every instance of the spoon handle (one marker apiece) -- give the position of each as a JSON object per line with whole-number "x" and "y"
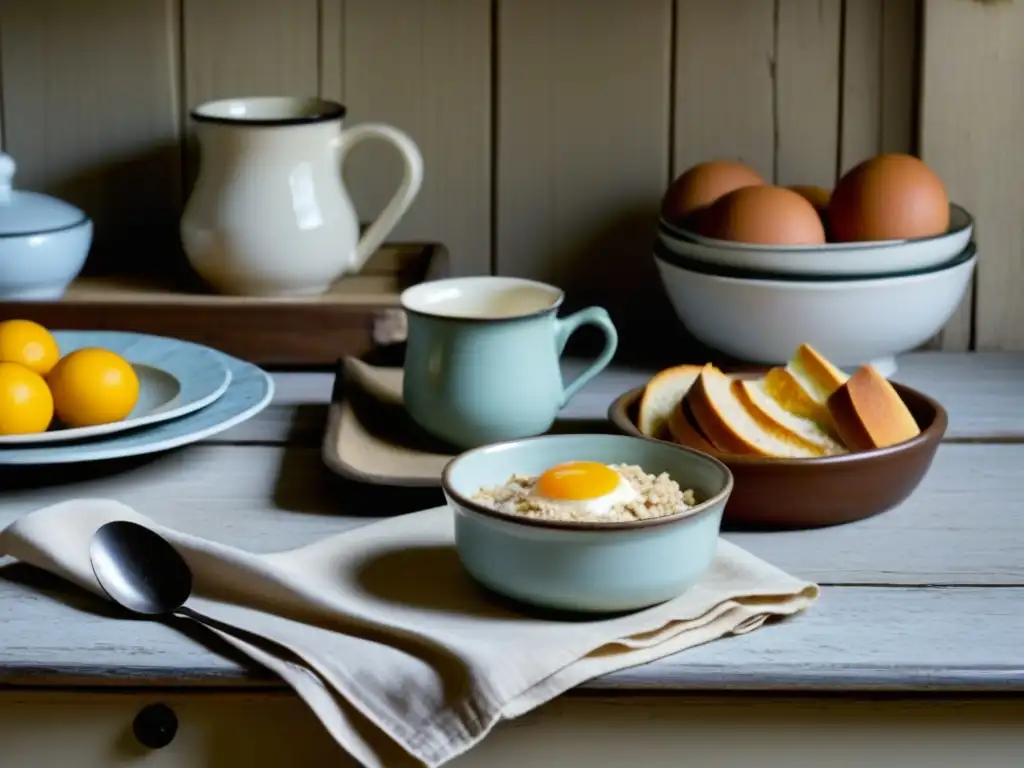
{"x": 228, "y": 629}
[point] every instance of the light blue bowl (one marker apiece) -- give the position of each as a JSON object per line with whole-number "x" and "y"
{"x": 576, "y": 566}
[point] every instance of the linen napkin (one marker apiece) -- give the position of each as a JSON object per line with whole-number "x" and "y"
{"x": 401, "y": 656}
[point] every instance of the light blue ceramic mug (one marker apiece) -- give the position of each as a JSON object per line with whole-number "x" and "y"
{"x": 482, "y": 358}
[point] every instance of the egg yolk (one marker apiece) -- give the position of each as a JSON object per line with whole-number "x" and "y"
{"x": 575, "y": 480}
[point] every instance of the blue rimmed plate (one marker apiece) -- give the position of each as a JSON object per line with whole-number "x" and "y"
{"x": 175, "y": 378}
{"x": 249, "y": 392}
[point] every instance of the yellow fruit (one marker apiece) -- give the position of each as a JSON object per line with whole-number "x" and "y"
{"x": 93, "y": 386}
{"x": 28, "y": 344}
{"x": 26, "y": 406}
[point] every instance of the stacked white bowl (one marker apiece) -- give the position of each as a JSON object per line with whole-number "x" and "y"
{"x": 855, "y": 302}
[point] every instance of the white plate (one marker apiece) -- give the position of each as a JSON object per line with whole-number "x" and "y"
{"x": 250, "y": 391}
{"x": 851, "y": 259}
{"x": 175, "y": 379}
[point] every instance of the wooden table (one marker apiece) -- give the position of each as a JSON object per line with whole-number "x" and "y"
{"x": 914, "y": 655}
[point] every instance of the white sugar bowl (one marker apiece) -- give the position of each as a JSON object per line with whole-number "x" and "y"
{"x": 43, "y": 241}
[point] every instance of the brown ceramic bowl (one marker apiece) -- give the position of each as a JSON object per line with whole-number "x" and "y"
{"x": 810, "y": 493}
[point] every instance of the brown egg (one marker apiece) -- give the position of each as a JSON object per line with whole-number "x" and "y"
{"x": 816, "y": 196}
{"x": 702, "y": 185}
{"x": 766, "y": 215}
{"x": 889, "y": 197}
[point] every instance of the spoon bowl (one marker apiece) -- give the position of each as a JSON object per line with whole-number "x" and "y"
{"x": 139, "y": 569}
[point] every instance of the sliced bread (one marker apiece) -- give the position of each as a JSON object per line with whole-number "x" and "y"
{"x": 662, "y": 395}
{"x": 784, "y": 424}
{"x": 803, "y": 386}
{"x": 683, "y": 431}
{"x": 869, "y": 413}
{"x": 729, "y": 425}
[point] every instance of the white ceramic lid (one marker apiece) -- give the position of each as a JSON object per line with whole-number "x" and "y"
{"x": 31, "y": 213}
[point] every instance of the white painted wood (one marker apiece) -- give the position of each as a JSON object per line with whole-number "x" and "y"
{"x": 246, "y": 48}
{"x": 807, "y": 58}
{"x": 724, "y": 94}
{"x": 583, "y": 148}
{"x": 853, "y": 638}
{"x": 262, "y": 730}
{"x": 90, "y": 114}
{"x": 270, "y": 498}
{"x": 879, "y": 79}
{"x": 981, "y": 392}
{"x": 426, "y": 69}
{"x": 970, "y": 116}
{"x": 249, "y": 48}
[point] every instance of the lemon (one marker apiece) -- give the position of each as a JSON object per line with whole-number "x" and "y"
{"x": 28, "y": 344}
{"x": 93, "y": 386}
{"x": 26, "y": 406}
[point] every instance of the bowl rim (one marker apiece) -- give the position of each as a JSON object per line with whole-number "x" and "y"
{"x": 618, "y": 412}
{"x": 720, "y": 269}
{"x": 571, "y": 525}
{"x": 676, "y": 231}
{"x": 968, "y": 257}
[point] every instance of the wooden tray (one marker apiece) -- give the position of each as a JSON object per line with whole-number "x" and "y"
{"x": 371, "y": 438}
{"x": 359, "y": 313}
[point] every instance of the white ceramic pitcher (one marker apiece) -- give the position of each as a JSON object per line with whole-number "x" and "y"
{"x": 269, "y": 214}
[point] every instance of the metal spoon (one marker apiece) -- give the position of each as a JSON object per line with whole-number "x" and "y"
{"x": 140, "y": 570}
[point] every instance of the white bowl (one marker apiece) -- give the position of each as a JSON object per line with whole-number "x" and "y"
{"x": 851, "y": 259}
{"x": 39, "y": 267}
{"x": 43, "y": 241}
{"x": 850, "y": 321}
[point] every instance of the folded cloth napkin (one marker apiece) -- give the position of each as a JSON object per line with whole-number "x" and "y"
{"x": 402, "y": 657}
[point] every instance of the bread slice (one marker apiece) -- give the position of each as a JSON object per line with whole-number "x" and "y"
{"x": 683, "y": 431}
{"x": 727, "y": 423}
{"x": 784, "y": 424}
{"x": 869, "y": 413}
{"x": 662, "y": 395}
{"x": 804, "y": 385}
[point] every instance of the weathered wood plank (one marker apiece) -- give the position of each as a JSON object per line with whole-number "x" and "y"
{"x": 854, "y": 638}
{"x": 90, "y": 111}
{"x": 980, "y": 391}
{"x": 583, "y": 151}
{"x": 970, "y": 116}
{"x": 249, "y": 48}
{"x": 237, "y": 48}
{"x": 807, "y": 86}
{"x": 272, "y": 498}
{"x": 880, "y": 47}
{"x": 724, "y": 94}
{"x": 426, "y": 69}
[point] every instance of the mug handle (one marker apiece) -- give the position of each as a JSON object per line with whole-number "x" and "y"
{"x": 566, "y": 326}
{"x": 412, "y": 178}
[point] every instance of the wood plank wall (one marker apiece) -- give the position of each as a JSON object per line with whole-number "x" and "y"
{"x": 549, "y": 129}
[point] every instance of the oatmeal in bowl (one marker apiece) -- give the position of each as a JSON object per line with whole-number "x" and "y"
{"x": 589, "y": 491}
{"x": 595, "y": 523}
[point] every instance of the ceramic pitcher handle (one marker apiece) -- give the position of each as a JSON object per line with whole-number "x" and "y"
{"x": 412, "y": 178}
{"x": 566, "y": 326}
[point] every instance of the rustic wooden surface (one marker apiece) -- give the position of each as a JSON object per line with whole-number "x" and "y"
{"x": 924, "y": 597}
{"x": 359, "y": 313}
